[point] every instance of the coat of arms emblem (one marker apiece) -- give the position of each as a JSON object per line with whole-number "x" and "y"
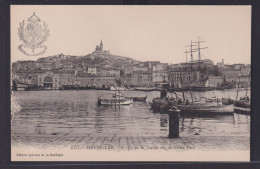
{"x": 33, "y": 35}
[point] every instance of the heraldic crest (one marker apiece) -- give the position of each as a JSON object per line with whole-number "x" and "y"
{"x": 33, "y": 35}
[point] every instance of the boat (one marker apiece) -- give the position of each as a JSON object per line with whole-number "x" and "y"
{"x": 243, "y": 105}
{"x": 163, "y": 105}
{"x": 117, "y": 99}
{"x": 146, "y": 89}
{"x": 242, "y": 110}
{"x": 226, "y": 85}
{"x": 207, "y": 106}
{"x": 227, "y": 101}
{"x": 139, "y": 98}
{"x": 206, "y": 109}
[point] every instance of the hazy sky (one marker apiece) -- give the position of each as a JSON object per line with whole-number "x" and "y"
{"x": 141, "y": 32}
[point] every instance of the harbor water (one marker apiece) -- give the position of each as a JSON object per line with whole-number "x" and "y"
{"x": 72, "y": 112}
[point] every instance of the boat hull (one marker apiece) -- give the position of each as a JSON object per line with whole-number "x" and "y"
{"x": 242, "y": 110}
{"x": 140, "y": 99}
{"x": 114, "y": 101}
{"x": 200, "y": 109}
{"x": 162, "y": 105}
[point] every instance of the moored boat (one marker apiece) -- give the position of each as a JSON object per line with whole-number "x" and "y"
{"x": 115, "y": 101}
{"x": 227, "y": 101}
{"x": 139, "y": 98}
{"x": 159, "y": 105}
{"x": 243, "y": 105}
{"x": 206, "y": 109}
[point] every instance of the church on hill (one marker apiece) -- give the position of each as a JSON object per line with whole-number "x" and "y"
{"x": 99, "y": 49}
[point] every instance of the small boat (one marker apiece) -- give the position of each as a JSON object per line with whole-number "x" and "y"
{"x": 115, "y": 101}
{"x": 161, "y": 104}
{"x": 243, "y": 105}
{"x": 227, "y": 101}
{"x": 146, "y": 89}
{"x": 141, "y": 99}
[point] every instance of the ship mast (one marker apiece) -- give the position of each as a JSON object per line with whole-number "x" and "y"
{"x": 191, "y": 61}
{"x": 191, "y": 57}
{"x": 199, "y": 48}
{"x": 191, "y": 50}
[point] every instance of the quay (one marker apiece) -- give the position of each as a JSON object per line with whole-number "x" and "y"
{"x": 123, "y": 142}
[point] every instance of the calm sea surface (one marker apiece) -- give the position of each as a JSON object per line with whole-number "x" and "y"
{"x": 71, "y": 112}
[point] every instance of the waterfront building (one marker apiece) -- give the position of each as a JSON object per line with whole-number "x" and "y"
{"x": 49, "y": 80}
{"x": 179, "y": 77}
{"x": 85, "y": 79}
{"x": 160, "y": 76}
{"x": 126, "y": 80}
{"x": 137, "y": 79}
{"x": 145, "y": 79}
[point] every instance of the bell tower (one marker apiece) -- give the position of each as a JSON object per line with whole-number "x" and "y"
{"x": 101, "y": 46}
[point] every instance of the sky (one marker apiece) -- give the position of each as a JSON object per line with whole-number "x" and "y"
{"x": 145, "y": 33}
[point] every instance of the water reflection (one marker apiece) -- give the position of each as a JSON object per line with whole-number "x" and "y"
{"x": 77, "y": 113}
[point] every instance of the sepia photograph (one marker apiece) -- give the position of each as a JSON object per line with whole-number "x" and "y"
{"x": 130, "y": 83}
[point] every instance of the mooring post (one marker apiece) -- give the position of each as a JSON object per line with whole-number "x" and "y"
{"x": 174, "y": 116}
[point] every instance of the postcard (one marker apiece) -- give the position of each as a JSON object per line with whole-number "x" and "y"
{"x": 130, "y": 83}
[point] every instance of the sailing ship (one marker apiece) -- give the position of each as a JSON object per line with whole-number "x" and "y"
{"x": 209, "y": 105}
{"x": 195, "y": 73}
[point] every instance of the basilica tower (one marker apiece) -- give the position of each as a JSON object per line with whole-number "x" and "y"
{"x": 101, "y": 46}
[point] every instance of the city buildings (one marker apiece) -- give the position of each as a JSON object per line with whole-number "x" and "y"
{"x": 100, "y": 68}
